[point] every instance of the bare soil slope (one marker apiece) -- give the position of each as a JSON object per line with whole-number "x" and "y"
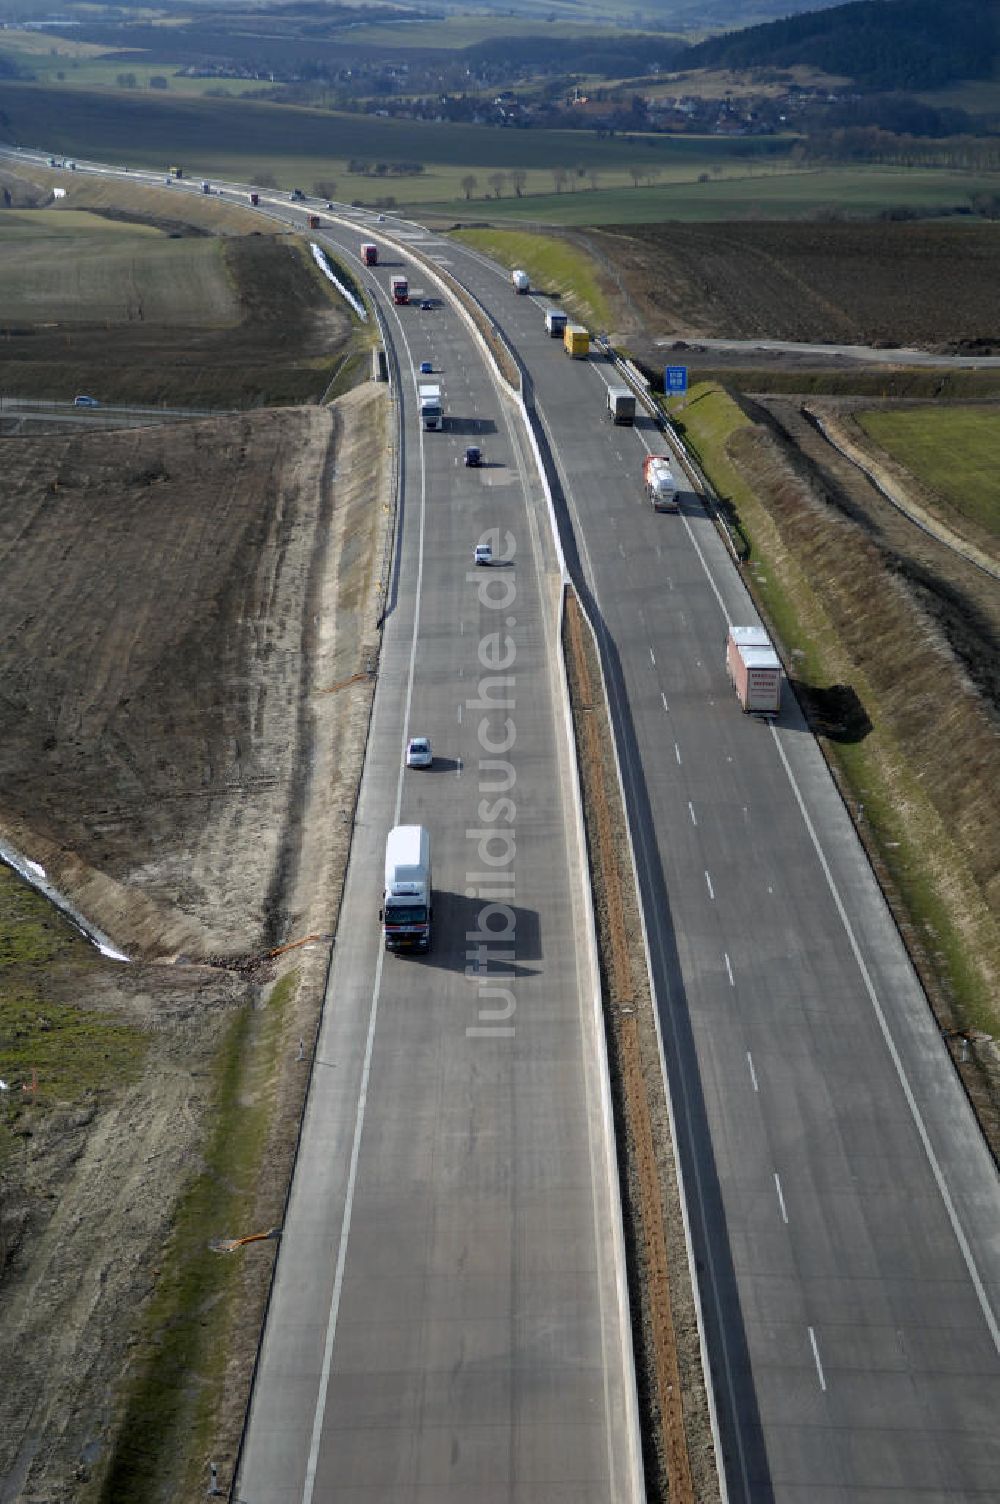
{"x": 141, "y": 574}
{"x": 178, "y": 605}
{"x": 930, "y": 284}
{"x": 267, "y": 329}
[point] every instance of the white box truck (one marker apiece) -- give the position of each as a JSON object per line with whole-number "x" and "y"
{"x": 521, "y": 280}
{"x": 406, "y": 898}
{"x": 555, "y": 322}
{"x": 621, "y": 404}
{"x": 431, "y": 410}
{"x": 754, "y": 669}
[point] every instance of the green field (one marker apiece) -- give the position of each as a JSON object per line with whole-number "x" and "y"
{"x": 116, "y": 273}
{"x": 954, "y": 450}
{"x": 554, "y": 265}
{"x": 59, "y": 63}
{"x": 42, "y": 224}
{"x": 464, "y": 31}
{"x": 75, "y": 1052}
{"x": 765, "y": 194}
{"x": 241, "y": 139}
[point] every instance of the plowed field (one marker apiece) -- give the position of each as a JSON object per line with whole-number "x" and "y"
{"x": 930, "y": 284}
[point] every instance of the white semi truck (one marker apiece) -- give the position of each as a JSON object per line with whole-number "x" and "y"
{"x": 431, "y": 410}
{"x": 754, "y": 669}
{"x": 406, "y": 898}
{"x": 520, "y": 280}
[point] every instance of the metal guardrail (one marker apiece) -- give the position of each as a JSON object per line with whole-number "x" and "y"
{"x": 640, "y": 385}
{"x": 395, "y": 490}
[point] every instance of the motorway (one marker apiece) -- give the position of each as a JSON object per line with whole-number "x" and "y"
{"x": 844, "y": 1208}
{"x": 448, "y": 1319}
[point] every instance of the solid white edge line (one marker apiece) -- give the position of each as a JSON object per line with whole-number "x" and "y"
{"x": 957, "y": 1229}
{"x": 319, "y": 1413}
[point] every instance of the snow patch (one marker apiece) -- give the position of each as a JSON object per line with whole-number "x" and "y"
{"x": 320, "y": 259}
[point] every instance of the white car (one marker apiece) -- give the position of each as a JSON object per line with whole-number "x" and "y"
{"x": 418, "y": 752}
{"x": 484, "y": 553}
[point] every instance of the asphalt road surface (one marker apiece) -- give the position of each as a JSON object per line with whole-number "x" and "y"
{"x": 844, "y": 1207}
{"x": 447, "y": 1321}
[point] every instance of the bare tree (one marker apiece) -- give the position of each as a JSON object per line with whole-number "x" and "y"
{"x": 593, "y": 175}
{"x": 496, "y": 181}
{"x": 325, "y": 188}
{"x": 469, "y": 184}
{"x": 635, "y": 173}
{"x": 264, "y": 180}
{"x": 559, "y": 178}
{"x": 518, "y": 177}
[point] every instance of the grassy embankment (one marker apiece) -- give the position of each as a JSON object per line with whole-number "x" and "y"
{"x": 78, "y": 1056}
{"x": 955, "y": 451}
{"x": 926, "y": 814}
{"x": 72, "y": 1054}
{"x": 555, "y": 266}
{"x": 171, "y": 1404}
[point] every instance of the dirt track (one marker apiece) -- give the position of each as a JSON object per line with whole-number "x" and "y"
{"x": 178, "y": 605}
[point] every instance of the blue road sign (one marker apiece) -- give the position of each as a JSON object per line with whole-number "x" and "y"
{"x": 675, "y": 380}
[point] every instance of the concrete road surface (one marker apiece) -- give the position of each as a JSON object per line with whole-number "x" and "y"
{"x": 447, "y": 1320}
{"x": 844, "y": 1207}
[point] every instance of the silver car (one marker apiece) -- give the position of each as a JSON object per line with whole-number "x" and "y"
{"x": 418, "y": 752}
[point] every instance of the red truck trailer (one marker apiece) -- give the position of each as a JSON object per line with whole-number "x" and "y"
{"x": 369, "y": 253}
{"x": 400, "y": 289}
{"x": 754, "y": 669}
{"x": 314, "y": 221}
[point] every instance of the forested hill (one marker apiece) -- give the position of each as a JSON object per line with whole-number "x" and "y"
{"x": 881, "y": 44}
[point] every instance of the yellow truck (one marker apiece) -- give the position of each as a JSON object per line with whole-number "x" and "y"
{"x": 576, "y": 341}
